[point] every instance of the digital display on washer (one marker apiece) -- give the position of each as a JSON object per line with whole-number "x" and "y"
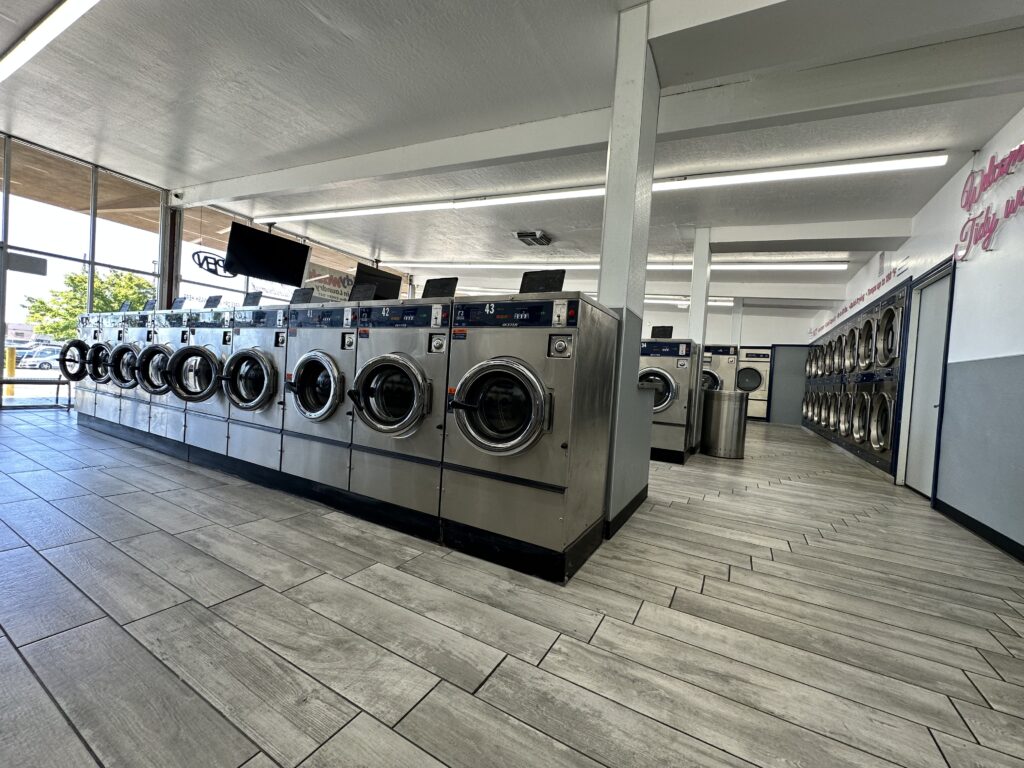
{"x": 399, "y": 316}
{"x": 259, "y": 318}
{"x": 759, "y": 355}
{"x": 513, "y": 314}
{"x": 664, "y": 349}
{"x": 218, "y": 319}
{"x": 719, "y": 350}
{"x": 321, "y": 318}
{"x": 169, "y": 320}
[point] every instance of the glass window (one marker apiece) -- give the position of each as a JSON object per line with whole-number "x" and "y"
{"x": 45, "y": 307}
{"x": 127, "y": 223}
{"x": 3, "y": 235}
{"x": 196, "y": 294}
{"x": 203, "y": 244}
{"x": 113, "y": 287}
{"x": 50, "y": 201}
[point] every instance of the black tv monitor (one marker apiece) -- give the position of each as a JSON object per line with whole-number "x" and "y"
{"x": 262, "y": 255}
{"x": 440, "y": 288}
{"x": 661, "y": 332}
{"x": 542, "y": 281}
{"x": 388, "y": 286}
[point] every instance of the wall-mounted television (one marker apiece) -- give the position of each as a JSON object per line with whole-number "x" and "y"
{"x": 386, "y": 285}
{"x": 260, "y": 254}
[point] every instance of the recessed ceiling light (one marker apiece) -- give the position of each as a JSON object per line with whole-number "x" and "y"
{"x": 42, "y": 34}
{"x": 652, "y": 266}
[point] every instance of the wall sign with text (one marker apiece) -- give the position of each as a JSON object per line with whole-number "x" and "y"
{"x": 980, "y": 229}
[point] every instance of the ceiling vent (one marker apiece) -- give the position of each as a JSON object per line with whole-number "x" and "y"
{"x": 534, "y": 237}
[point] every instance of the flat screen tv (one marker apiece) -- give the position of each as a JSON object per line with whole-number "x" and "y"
{"x": 387, "y": 285}
{"x": 262, "y": 255}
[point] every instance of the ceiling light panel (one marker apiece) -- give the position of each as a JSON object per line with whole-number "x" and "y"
{"x": 42, "y": 34}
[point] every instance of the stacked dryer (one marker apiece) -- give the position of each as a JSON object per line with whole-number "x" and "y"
{"x": 853, "y": 381}
{"x": 320, "y": 367}
{"x": 672, "y": 367}
{"x": 167, "y": 411}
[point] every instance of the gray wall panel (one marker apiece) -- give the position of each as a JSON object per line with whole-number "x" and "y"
{"x": 981, "y": 455}
{"x": 787, "y": 390}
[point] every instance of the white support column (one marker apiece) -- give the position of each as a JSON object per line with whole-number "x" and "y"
{"x": 623, "y": 277}
{"x": 737, "y": 322}
{"x": 700, "y": 284}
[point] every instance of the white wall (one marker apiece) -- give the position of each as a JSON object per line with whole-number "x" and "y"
{"x": 762, "y": 327}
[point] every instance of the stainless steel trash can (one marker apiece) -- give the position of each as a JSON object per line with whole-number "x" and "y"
{"x": 724, "y": 428}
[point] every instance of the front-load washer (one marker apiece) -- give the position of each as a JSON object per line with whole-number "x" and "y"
{"x": 845, "y": 413}
{"x": 73, "y": 365}
{"x": 719, "y": 368}
{"x": 321, "y": 366}
{"x": 888, "y": 334}
{"x": 830, "y": 354}
{"x": 753, "y": 375}
{"x": 860, "y": 413}
{"x": 398, "y": 396}
{"x": 195, "y": 373}
{"x": 527, "y": 442}
{"x": 124, "y": 363}
{"x": 97, "y": 361}
{"x": 167, "y": 411}
{"x": 882, "y": 419}
{"x": 838, "y": 354}
{"x": 253, "y": 381}
{"x": 850, "y": 347}
{"x": 671, "y": 366}
{"x": 866, "y": 342}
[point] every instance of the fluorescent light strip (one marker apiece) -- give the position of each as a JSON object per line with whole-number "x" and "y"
{"x": 880, "y": 165}
{"x": 42, "y": 34}
{"x": 733, "y": 266}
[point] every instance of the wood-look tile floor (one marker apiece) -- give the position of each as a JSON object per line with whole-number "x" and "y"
{"x": 791, "y": 609}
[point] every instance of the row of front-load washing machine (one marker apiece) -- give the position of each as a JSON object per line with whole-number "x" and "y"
{"x": 484, "y": 424}
{"x": 853, "y": 374}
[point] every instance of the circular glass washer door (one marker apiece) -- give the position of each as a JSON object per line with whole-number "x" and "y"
{"x": 845, "y": 414}
{"x": 72, "y": 360}
{"x": 97, "y": 362}
{"x": 710, "y": 380}
{"x": 861, "y": 410}
{"x": 250, "y": 379}
{"x": 881, "y": 421}
{"x": 391, "y": 394}
{"x": 749, "y": 379}
{"x": 151, "y": 370}
{"x": 833, "y": 412}
{"x": 830, "y": 354}
{"x": 887, "y": 337}
{"x": 124, "y": 360}
{"x": 501, "y": 406}
{"x": 317, "y": 385}
{"x": 850, "y": 350}
{"x": 866, "y": 346}
{"x": 839, "y": 354}
{"x": 194, "y": 373}
{"x": 666, "y": 390}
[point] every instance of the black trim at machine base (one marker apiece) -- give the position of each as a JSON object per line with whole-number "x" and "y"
{"x": 175, "y": 448}
{"x": 667, "y": 454}
{"x": 519, "y": 555}
{"x": 611, "y": 527}
{"x": 503, "y": 478}
{"x": 991, "y": 535}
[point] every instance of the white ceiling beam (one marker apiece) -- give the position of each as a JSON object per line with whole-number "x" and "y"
{"x": 668, "y": 16}
{"x": 980, "y": 66}
{"x": 874, "y": 235}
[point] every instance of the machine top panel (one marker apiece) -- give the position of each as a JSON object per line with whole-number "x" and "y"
{"x": 559, "y": 313}
{"x": 137, "y": 319}
{"x": 216, "y": 318}
{"x": 756, "y": 355}
{"x": 322, "y": 317}
{"x": 405, "y": 316}
{"x": 170, "y": 319}
{"x": 260, "y": 318}
{"x": 719, "y": 350}
{"x": 664, "y": 349}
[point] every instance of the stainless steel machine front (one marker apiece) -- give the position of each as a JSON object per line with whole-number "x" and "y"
{"x": 720, "y": 364}
{"x": 318, "y": 415}
{"x": 253, "y": 380}
{"x": 97, "y": 361}
{"x": 73, "y": 362}
{"x": 673, "y": 367}
{"x": 398, "y": 397}
{"x": 526, "y": 447}
{"x": 753, "y": 375}
{"x": 124, "y": 363}
{"x": 195, "y": 373}
{"x": 167, "y": 412}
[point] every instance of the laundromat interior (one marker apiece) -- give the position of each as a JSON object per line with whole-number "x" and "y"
{"x": 513, "y": 384}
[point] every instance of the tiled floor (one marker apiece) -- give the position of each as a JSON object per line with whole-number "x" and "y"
{"x": 793, "y": 609}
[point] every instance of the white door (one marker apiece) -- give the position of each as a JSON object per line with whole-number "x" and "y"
{"x": 933, "y": 310}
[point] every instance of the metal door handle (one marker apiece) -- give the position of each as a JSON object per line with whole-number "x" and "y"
{"x": 458, "y": 405}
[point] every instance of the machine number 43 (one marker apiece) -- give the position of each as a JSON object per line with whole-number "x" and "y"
{"x": 488, "y": 309}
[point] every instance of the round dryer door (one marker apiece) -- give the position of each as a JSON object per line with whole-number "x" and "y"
{"x": 501, "y": 406}
{"x": 881, "y": 421}
{"x": 850, "y": 350}
{"x": 830, "y": 354}
{"x": 861, "y": 411}
{"x": 391, "y": 394}
{"x": 250, "y": 379}
{"x": 194, "y": 373}
{"x": 151, "y": 370}
{"x": 97, "y": 362}
{"x": 124, "y": 360}
{"x": 866, "y": 345}
{"x": 887, "y": 337}
{"x": 819, "y": 361}
{"x": 833, "y": 412}
{"x": 710, "y": 380}
{"x": 666, "y": 389}
{"x": 845, "y": 414}
{"x": 72, "y": 360}
{"x": 749, "y": 379}
{"x": 839, "y": 354}
{"x": 316, "y": 385}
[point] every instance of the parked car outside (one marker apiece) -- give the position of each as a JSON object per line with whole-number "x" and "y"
{"x": 43, "y": 358}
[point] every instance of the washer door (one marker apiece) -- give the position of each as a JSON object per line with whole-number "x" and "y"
{"x": 866, "y": 346}
{"x": 194, "y": 373}
{"x": 72, "y": 360}
{"x": 850, "y": 352}
{"x": 151, "y": 370}
{"x": 391, "y": 394}
{"x": 250, "y": 379}
{"x": 819, "y": 361}
{"x": 838, "y": 354}
{"x": 501, "y": 406}
{"x": 830, "y": 354}
{"x": 881, "y": 421}
{"x": 123, "y": 363}
{"x": 667, "y": 390}
{"x": 833, "y": 412}
{"x": 748, "y": 379}
{"x": 710, "y": 380}
{"x": 887, "y": 338}
{"x": 97, "y": 362}
{"x": 317, "y": 385}
{"x": 845, "y": 414}
{"x": 861, "y": 410}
